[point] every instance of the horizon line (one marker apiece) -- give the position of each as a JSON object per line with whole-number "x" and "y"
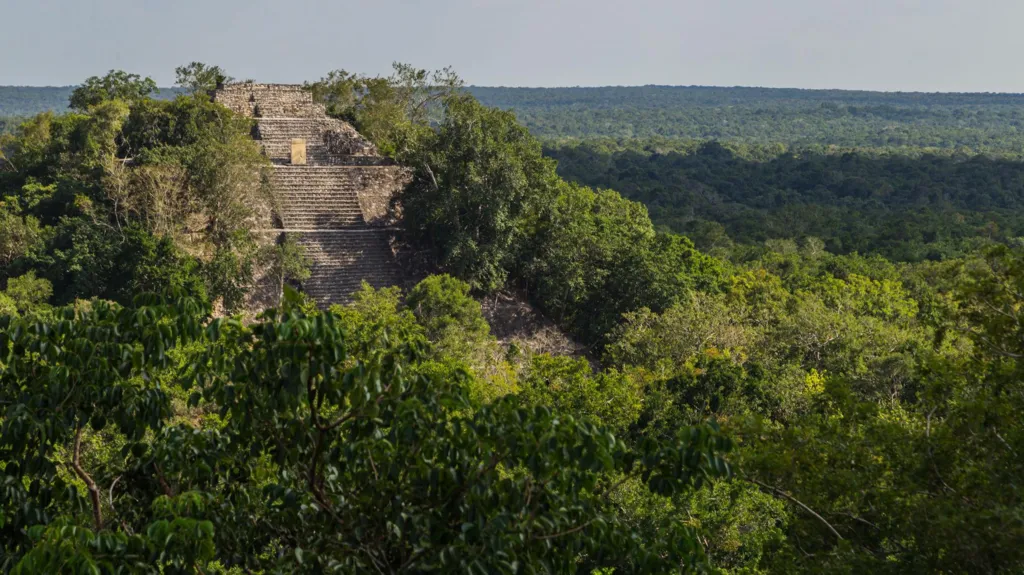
{"x": 627, "y": 86}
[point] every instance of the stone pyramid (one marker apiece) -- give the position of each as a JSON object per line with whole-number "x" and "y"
{"x": 333, "y": 188}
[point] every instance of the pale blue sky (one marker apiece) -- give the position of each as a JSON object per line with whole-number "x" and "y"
{"x": 928, "y": 45}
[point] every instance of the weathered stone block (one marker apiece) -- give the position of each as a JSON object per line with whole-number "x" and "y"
{"x": 298, "y": 152}
{"x": 378, "y": 185}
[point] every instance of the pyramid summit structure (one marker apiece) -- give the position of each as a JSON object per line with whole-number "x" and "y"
{"x": 334, "y": 189}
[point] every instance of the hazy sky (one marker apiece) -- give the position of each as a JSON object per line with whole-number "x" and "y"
{"x": 928, "y": 45}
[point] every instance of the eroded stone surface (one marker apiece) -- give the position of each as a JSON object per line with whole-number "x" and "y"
{"x": 298, "y": 152}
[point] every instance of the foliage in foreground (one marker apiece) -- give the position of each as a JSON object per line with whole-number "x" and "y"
{"x": 303, "y": 447}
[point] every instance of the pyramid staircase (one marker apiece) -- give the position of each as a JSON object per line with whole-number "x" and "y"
{"x": 335, "y": 204}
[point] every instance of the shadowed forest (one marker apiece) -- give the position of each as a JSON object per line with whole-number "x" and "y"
{"x": 905, "y": 206}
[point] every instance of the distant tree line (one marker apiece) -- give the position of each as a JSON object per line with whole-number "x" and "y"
{"x": 992, "y": 122}
{"x": 766, "y": 115}
{"x": 27, "y": 101}
{"x": 906, "y": 206}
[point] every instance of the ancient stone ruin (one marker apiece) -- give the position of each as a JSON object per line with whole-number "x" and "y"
{"x": 334, "y": 189}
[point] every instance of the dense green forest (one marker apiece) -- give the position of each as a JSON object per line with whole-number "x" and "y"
{"x": 801, "y": 409}
{"x": 22, "y": 101}
{"x": 32, "y": 100}
{"x": 767, "y": 116}
{"x": 907, "y": 205}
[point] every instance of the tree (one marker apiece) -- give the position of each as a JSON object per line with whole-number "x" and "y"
{"x": 481, "y": 180}
{"x": 396, "y": 112}
{"x": 664, "y": 342}
{"x": 568, "y": 385}
{"x": 340, "y": 92}
{"x": 28, "y": 291}
{"x": 443, "y": 306}
{"x": 198, "y": 77}
{"x": 116, "y": 85}
{"x": 129, "y": 194}
{"x": 289, "y": 262}
{"x": 18, "y": 234}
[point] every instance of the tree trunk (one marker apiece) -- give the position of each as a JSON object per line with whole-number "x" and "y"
{"x": 94, "y": 492}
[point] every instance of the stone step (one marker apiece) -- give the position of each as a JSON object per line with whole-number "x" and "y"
{"x": 313, "y": 183}
{"x": 299, "y": 213}
{"x": 343, "y": 175}
{"x": 320, "y": 223}
{"x": 314, "y": 190}
{"x": 351, "y": 181}
{"x": 317, "y": 189}
{"x": 333, "y": 161}
{"x": 299, "y": 195}
{"x": 334, "y": 205}
{"x": 328, "y": 169}
{"x": 314, "y": 215}
{"x": 341, "y": 260}
{"x": 312, "y": 200}
{"x": 326, "y": 187}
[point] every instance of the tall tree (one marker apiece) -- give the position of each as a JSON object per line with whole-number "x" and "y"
{"x": 116, "y": 85}
{"x": 197, "y": 77}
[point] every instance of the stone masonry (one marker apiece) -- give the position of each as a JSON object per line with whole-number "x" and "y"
{"x": 336, "y": 203}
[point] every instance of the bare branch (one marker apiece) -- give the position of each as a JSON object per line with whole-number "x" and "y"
{"x": 564, "y": 533}
{"x": 94, "y": 492}
{"x": 778, "y": 491}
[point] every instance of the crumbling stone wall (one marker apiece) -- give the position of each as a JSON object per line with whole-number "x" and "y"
{"x": 376, "y": 191}
{"x": 341, "y": 139}
{"x": 268, "y": 100}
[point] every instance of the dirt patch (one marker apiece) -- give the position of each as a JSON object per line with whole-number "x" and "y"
{"x": 514, "y": 320}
